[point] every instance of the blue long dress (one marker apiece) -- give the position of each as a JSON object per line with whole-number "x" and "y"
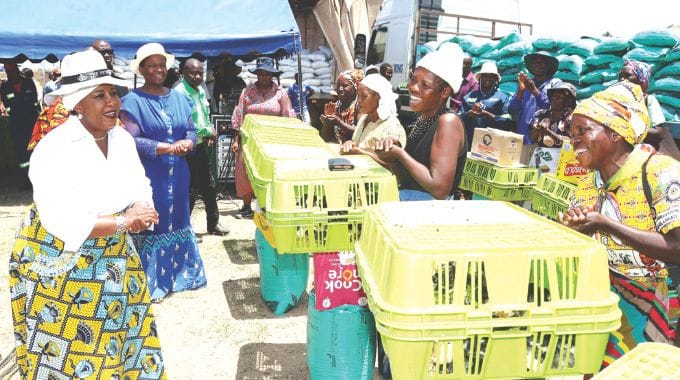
{"x": 169, "y": 253}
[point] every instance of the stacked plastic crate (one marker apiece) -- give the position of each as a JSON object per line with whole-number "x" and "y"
{"x": 551, "y": 196}
{"x": 650, "y": 361}
{"x": 312, "y": 205}
{"x": 463, "y": 290}
{"x": 488, "y": 181}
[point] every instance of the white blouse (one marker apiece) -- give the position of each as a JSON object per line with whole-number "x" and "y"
{"x": 74, "y": 183}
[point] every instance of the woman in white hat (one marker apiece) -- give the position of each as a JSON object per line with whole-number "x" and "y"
{"x": 160, "y": 121}
{"x": 486, "y": 106}
{"x": 378, "y": 120}
{"x": 431, "y": 164}
{"x": 79, "y": 296}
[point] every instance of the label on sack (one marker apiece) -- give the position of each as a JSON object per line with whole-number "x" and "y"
{"x": 337, "y": 280}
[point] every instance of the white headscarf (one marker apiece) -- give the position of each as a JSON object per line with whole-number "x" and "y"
{"x": 386, "y": 104}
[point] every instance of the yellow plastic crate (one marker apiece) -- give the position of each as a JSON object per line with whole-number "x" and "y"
{"x": 494, "y": 191}
{"x": 648, "y": 361}
{"x": 313, "y": 209}
{"x": 484, "y": 281}
{"x": 439, "y": 257}
{"x": 499, "y": 175}
{"x": 556, "y": 188}
{"x": 544, "y": 204}
{"x": 268, "y": 139}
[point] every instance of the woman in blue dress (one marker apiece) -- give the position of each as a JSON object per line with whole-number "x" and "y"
{"x": 160, "y": 121}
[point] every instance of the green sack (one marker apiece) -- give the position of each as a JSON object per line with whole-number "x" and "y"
{"x": 510, "y": 38}
{"x": 283, "y": 278}
{"x": 599, "y": 76}
{"x": 573, "y": 63}
{"x": 508, "y": 62}
{"x": 668, "y": 101}
{"x": 672, "y": 70}
{"x": 509, "y": 88}
{"x": 615, "y": 46}
{"x": 518, "y": 48}
{"x": 490, "y": 55}
{"x": 587, "y": 92}
{"x": 469, "y": 44}
{"x": 548, "y": 44}
{"x": 512, "y": 70}
{"x": 673, "y": 55}
{"x": 567, "y": 76}
{"x": 656, "y": 37}
{"x": 600, "y": 61}
{"x": 670, "y": 114}
{"x": 484, "y": 48}
{"x": 583, "y": 47}
{"x": 341, "y": 342}
{"x": 647, "y": 54}
{"x": 669, "y": 84}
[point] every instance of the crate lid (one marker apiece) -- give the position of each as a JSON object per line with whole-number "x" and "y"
{"x": 317, "y": 169}
{"x": 449, "y": 226}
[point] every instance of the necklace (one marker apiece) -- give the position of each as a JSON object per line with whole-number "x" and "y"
{"x": 97, "y": 139}
{"x": 423, "y": 124}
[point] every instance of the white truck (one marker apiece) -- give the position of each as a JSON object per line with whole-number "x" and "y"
{"x": 404, "y": 26}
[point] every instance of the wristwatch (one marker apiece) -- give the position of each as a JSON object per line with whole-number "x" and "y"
{"x": 121, "y": 226}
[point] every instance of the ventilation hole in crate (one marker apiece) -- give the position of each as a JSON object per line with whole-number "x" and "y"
{"x": 319, "y": 199}
{"x": 474, "y": 350}
{"x": 354, "y": 232}
{"x": 372, "y": 192}
{"x": 301, "y": 196}
{"x": 565, "y": 352}
{"x": 354, "y": 196}
{"x": 539, "y": 289}
{"x": 441, "y": 362}
{"x": 443, "y": 277}
{"x": 567, "y": 276}
{"x": 538, "y": 346}
{"x": 302, "y": 237}
{"x": 320, "y": 234}
{"x": 476, "y": 292}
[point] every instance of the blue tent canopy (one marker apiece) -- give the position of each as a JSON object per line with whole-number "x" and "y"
{"x": 36, "y": 30}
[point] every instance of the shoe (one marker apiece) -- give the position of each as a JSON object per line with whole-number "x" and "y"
{"x": 199, "y": 240}
{"x": 218, "y": 230}
{"x": 245, "y": 213}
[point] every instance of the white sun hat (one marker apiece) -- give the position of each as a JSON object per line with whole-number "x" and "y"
{"x": 446, "y": 63}
{"x": 148, "y": 50}
{"x": 80, "y": 73}
{"x": 488, "y": 67}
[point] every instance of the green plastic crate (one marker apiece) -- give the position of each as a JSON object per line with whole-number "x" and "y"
{"x": 499, "y": 175}
{"x": 437, "y": 277}
{"x": 313, "y": 209}
{"x": 556, "y": 188}
{"x": 544, "y": 204}
{"x": 269, "y": 139}
{"x": 649, "y": 361}
{"x": 493, "y": 191}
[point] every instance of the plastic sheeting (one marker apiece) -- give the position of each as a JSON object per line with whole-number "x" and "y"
{"x": 38, "y": 29}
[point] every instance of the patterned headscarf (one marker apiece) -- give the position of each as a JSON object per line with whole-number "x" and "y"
{"x": 620, "y": 107}
{"x": 353, "y": 76}
{"x": 642, "y": 71}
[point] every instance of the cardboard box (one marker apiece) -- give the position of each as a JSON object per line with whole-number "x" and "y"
{"x": 568, "y": 168}
{"x": 498, "y": 147}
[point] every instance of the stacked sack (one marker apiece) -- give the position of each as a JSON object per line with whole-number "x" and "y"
{"x": 317, "y": 70}
{"x": 121, "y": 69}
{"x": 589, "y": 63}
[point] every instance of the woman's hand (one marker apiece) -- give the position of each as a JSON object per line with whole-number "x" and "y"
{"x": 388, "y": 151}
{"x": 182, "y": 147}
{"x": 140, "y": 216}
{"x": 583, "y": 219}
{"x": 347, "y": 147}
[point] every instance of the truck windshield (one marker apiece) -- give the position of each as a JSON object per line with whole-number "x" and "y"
{"x": 376, "y": 49}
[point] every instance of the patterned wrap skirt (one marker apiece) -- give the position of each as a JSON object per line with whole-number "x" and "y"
{"x": 83, "y": 314}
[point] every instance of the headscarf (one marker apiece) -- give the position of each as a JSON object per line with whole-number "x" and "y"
{"x": 386, "y": 104}
{"x": 641, "y": 70}
{"x": 446, "y": 63}
{"x": 620, "y": 107}
{"x": 353, "y": 76}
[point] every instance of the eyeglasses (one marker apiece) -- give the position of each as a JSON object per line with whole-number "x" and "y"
{"x": 105, "y": 51}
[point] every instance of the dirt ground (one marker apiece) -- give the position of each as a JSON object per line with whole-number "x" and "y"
{"x": 223, "y": 331}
